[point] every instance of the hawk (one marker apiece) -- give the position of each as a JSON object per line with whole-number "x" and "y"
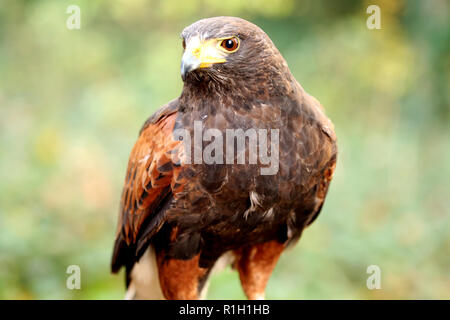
{"x": 181, "y": 217}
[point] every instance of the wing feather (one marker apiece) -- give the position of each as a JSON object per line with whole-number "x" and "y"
{"x": 148, "y": 188}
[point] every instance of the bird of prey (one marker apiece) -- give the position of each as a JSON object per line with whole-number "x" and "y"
{"x": 181, "y": 215}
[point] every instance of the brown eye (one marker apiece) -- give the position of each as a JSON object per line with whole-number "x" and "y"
{"x": 230, "y": 44}
{"x": 184, "y": 44}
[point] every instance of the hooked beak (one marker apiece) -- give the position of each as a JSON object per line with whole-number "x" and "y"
{"x": 200, "y": 54}
{"x": 188, "y": 63}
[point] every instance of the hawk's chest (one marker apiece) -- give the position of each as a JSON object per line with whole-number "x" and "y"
{"x": 238, "y": 155}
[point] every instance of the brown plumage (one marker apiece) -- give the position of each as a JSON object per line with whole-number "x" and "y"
{"x": 177, "y": 219}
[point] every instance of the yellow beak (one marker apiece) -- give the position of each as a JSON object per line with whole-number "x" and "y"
{"x": 200, "y": 54}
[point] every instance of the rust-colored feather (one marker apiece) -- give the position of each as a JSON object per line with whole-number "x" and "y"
{"x": 150, "y": 178}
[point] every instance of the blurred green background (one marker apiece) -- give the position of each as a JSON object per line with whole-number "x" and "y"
{"x": 72, "y": 102}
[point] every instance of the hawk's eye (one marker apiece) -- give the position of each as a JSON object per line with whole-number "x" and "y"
{"x": 230, "y": 44}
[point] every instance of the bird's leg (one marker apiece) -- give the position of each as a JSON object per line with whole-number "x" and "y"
{"x": 255, "y": 265}
{"x": 179, "y": 279}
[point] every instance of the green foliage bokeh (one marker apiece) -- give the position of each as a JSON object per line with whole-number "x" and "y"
{"x": 72, "y": 102}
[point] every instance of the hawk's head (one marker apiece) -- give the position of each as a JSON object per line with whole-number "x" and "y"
{"x": 228, "y": 49}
